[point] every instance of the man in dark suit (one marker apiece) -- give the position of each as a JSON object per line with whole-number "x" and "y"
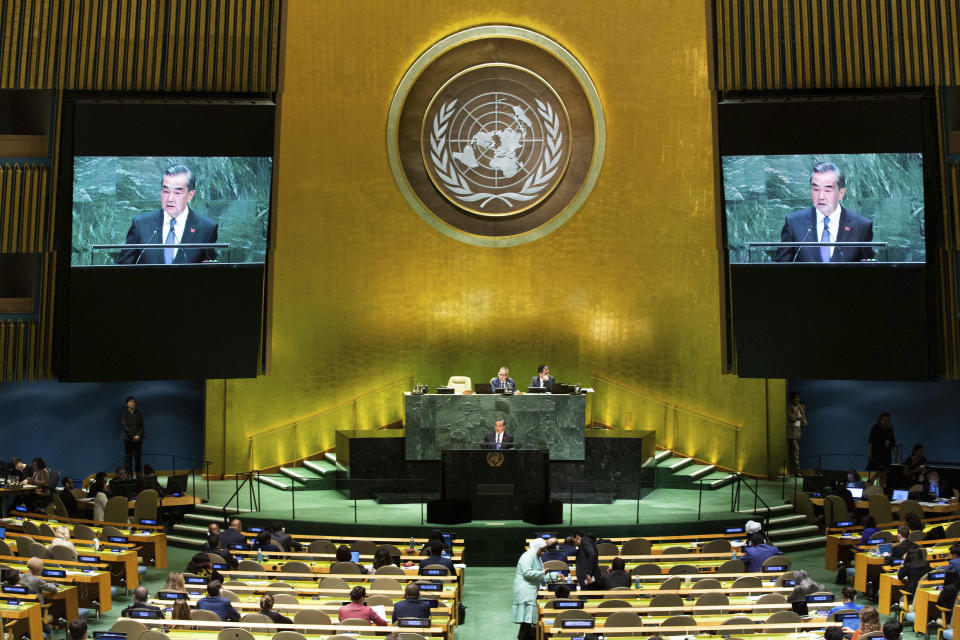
{"x": 937, "y": 487}
{"x": 411, "y": 606}
{"x": 233, "y": 535}
{"x": 503, "y": 381}
{"x": 140, "y": 595}
{"x": 283, "y": 539}
{"x": 436, "y": 557}
{"x": 218, "y": 604}
{"x": 543, "y": 379}
{"x": 826, "y": 221}
{"x": 174, "y": 224}
{"x": 498, "y": 439}
{"x": 588, "y": 568}
{"x": 903, "y": 545}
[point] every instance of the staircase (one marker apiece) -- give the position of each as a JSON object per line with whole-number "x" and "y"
{"x": 314, "y": 474}
{"x": 680, "y": 472}
{"x": 789, "y": 531}
{"x": 192, "y": 532}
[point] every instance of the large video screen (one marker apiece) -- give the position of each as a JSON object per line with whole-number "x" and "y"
{"x": 201, "y": 209}
{"x": 825, "y": 208}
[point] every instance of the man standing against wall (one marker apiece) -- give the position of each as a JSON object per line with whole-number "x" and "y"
{"x": 131, "y": 425}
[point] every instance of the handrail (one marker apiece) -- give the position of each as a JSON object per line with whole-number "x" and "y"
{"x": 735, "y": 498}
{"x": 340, "y": 405}
{"x": 668, "y": 405}
{"x": 254, "y": 497}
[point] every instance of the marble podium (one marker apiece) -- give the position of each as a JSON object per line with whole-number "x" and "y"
{"x": 498, "y": 484}
{"x": 436, "y": 422}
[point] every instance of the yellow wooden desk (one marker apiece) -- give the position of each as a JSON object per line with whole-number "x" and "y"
{"x": 208, "y": 629}
{"x": 29, "y": 615}
{"x": 646, "y": 631}
{"x": 93, "y": 584}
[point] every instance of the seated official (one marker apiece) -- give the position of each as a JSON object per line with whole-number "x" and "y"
{"x": 218, "y": 604}
{"x": 558, "y": 551}
{"x": 937, "y": 487}
{"x": 847, "y": 596}
{"x": 215, "y": 545}
{"x": 503, "y": 381}
{"x": 616, "y": 576}
{"x": 149, "y": 480}
{"x": 200, "y": 565}
{"x": 954, "y": 561}
{"x": 892, "y": 629}
{"x": 869, "y": 529}
{"x": 411, "y": 606}
{"x": 118, "y": 478}
{"x": 344, "y": 555}
{"x": 266, "y": 608}
{"x": 264, "y": 542}
{"x": 756, "y": 551}
{"x": 951, "y": 585}
{"x": 357, "y": 608}
{"x": 561, "y": 594}
{"x": 282, "y": 539}
{"x": 543, "y": 379}
{"x": 914, "y": 567}
{"x": 436, "y": 557}
{"x": 499, "y": 439}
{"x": 903, "y": 545}
{"x": 33, "y": 580}
{"x": 234, "y": 535}
{"x": 382, "y": 558}
{"x": 140, "y": 595}
{"x": 77, "y": 629}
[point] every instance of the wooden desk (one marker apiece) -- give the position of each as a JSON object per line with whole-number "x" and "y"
{"x": 209, "y": 629}
{"x": 31, "y": 615}
{"x": 634, "y": 632}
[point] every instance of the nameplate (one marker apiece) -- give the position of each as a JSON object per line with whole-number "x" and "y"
{"x": 577, "y": 624}
{"x": 774, "y": 568}
{"x": 144, "y": 613}
{"x": 821, "y": 597}
{"x": 434, "y": 572}
{"x": 876, "y": 541}
{"x": 427, "y": 586}
{"x": 845, "y": 523}
{"x": 494, "y": 489}
{"x": 147, "y": 521}
{"x": 733, "y": 530}
{"x": 413, "y": 622}
{"x": 568, "y": 604}
{"x": 196, "y": 580}
{"x": 15, "y": 589}
{"x": 117, "y": 539}
{"x": 54, "y": 573}
{"x": 255, "y": 529}
{"x": 171, "y": 595}
{"x": 88, "y": 559}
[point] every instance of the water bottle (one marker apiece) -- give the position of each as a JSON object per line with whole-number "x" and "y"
{"x": 636, "y": 582}
{"x": 411, "y": 544}
{"x": 259, "y": 555}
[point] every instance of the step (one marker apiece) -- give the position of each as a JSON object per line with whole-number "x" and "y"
{"x": 186, "y": 542}
{"x": 793, "y": 532}
{"x": 662, "y": 455}
{"x": 774, "y": 508}
{"x": 695, "y": 471}
{"x": 676, "y": 464}
{"x": 331, "y": 457}
{"x": 276, "y": 482}
{"x": 191, "y": 529}
{"x": 802, "y": 543}
{"x": 218, "y": 509}
{"x": 784, "y": 521}
{"x": 322, "y": 468}
{"x": 203, "y": 518}
{"x": 300, "y": 474}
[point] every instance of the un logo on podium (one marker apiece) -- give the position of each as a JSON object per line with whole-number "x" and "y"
{"x": 495, "y": 458}
{"x": 496, "y": 135}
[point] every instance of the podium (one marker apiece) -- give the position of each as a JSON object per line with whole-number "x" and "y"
{"x": 498, "y": 484}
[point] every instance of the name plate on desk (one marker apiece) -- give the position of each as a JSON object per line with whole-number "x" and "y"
{"x": 578, "y": 624}
{"x": 413, "y": 622}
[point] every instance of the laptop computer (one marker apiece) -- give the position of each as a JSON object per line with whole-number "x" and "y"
{"x": 856, "y": 492}
{"x": 850, "y": 620}
{"x": 900, "y": 494}
{"x": 886, "y": 547}
{"x": 482, "y": 387}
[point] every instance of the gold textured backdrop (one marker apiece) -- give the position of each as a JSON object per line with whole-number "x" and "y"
{"x": 367, "y": 298}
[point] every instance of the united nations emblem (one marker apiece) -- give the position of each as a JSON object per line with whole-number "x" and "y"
{"x": 495, "y": 458}
{"x": 496, "y": 135}
{"x": 495, "y": 140}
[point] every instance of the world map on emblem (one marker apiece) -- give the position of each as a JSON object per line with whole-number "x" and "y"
{"x": 496, "y": 140}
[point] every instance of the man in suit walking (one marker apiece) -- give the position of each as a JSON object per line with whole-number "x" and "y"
{"x": 826, "y": 221}
{"x": 173, "y": 224}
{"x": 588, "y": 567}
{"x": 499, "y": 439}
{"x": 543, "y": 379}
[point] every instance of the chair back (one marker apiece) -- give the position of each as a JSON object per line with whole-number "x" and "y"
{"x": 5, "y": 549}
{"x": 622, "y": 619}
{"x": 880, "y": 508}
{"x": 83, "y": 532}
{"x": 459, "y": 384}
{"x": 910, "y": 506}
{"x": 707, "y": 583}
{"x": 683, "y": 569}
{"x": 365, "y": 547}
{"x": 716, "y": 546}
{"x": 555, "y": 565}
{"x": 334, "y": 583}
{"x": 381, "y": 599}
{"x": 916, "y": 536}
{"x": 229, "y": 595}
{"x": 40, "y": 551}
{"x": 116, "y": 510}
{"x": 133, "y": 628}
{"x": 47, "y": 530}
{"x": 732, "y": 566}
{"x": 739, "y": 620}
{"x": 676, "y": 550}
{"x": 109, "y": 530}
{"x": 345, "y": 567}
{"x": 234, "y": 583}
{"x": 295, "y": 566}
{"x": 835, "y": 510}
{"x": 145, "y": 508}
{"x": 62, "y": 552}
{"x": 204, "y": 614}
{"x": 389, "y": 570}
{"x": 679, "y": 621}
{"x": 646, "y": 569}
{"x": 612, "y": 603}
{"x": 772, "y": 598}
{"x": 777, "y": 561}
{"x": 311, "y": 616}
{"x": 607, "y": 549}
{"x": 385, "y": 584}
{"x": 437, "y": 567}
{"x": 667, "y": 600}
{"x": 636, "y": 547}
{"x": 23, "y": 546}
{"x": 255, "y": 616}
{"x": 871, "y": 490}
{"x": 249, "y": 565}
{"x": 803, "y": 506}
{"x": 287, "y": 635}
{"x": 392, "y": 550}
{"x": 153, "y": 634}
{"x": 747, "y": 582}
{"x": 712, "y": 600}
{"x": 571, "y": 614}
{"x": 784, "y": 617}
{"x": 30, "y": 528}
{"x": 363, "y": 622}
{"x": 953, "y": 529}
{"x": 671, "y": 584}
{"x": 285, "y": 598}
{"x": 235, "y": 633}
{"x": 322, "y": 546}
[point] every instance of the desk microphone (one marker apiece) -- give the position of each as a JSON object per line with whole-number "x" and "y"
{"x": 797, "y": 252}
{"x": 147, "y": 242}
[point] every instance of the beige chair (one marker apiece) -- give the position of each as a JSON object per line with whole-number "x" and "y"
{"x": 636, "y": 547}
{"x": 612, "y": 603}
{"x": 145, "y": 508}
{"x": 437, "y": 567}
{"x": 322, "y": 546}
{"x": 83, "y": 532}
{"x": 646, "y": 569}
{"x": 386, "y": 584}
{"x": 803, "y": 506}
{"x": 344, "y": 568}
{"x": 204, "y": 614}
{"x": 229, "y": 595}
{"x": 116, "y": 510}
{"x": 285, "y": 635}
{"x": 234, "y": 633}
{"x": 379, "y": 598}
{"x": 5, "y": 549}
{"x": 30, "y": 528}
{"x": 234, "y": 583}
{"x": 622, "y": 619}
{"x": 133, "y": 628}
{"x": 47, "y": 530}
{"x": 747, "y": 582}
{"x": 707, "y": 583}
{"x": 880, "y": 508}
{"x": 835, "y": 510}
{"x": 953, "y": 529}
{"x": 389, "y": 570}
{"x": 365, "y": 547}
{"x": 249, "y": 565}
{"x": 716, "y": 546}
{"x": 78, "y": 493}
{"x": 732, "y": 566}
{"x": 672, "y": 600}
{"x": 682, "y": 569}
{"x": 556, "y": 565}
{"x": 109, "y": 531}
{"x": 671, "y": 584}
{"x": 153, "y": 634}
{"x": 360, "y": 622}
{"x": 784, "y": 617}
{"x": 62, "y": 552}
{"x": 745, "y": 621}
{"x": 285, "y": 598}
{"x": 772, "y": 598}
{"x": 607, "y": 549}
{"x": 571, "y": 614}
{"x": 459, "y": 384}
{"x": 910, "y": 506}
{"x": 23, "y": 546}
{"x": 294, "y": 566}
{"x": 311, "y": 616}
{"x": 334, "y": 583}
{"x": 255, "y": 616}
{"x": 713, "y": 600}
{"x": 676, "y": 550}
{"x": 679, "y": 621}
{"x": 916, "y": 536}
{"x": 776, "y": 561}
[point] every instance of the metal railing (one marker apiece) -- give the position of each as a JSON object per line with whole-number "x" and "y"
{"x": 735, "y": 496}
{"x": 242, "y": 480}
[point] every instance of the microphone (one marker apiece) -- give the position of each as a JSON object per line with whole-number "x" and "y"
{"x": 797, "y": 252}
{"x": 155, "y": 231}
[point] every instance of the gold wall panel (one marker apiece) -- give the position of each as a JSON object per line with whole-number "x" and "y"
{"x": 787, "y": 44}
{"x": 365, "y": 293}
{"x": 140, "y": 45}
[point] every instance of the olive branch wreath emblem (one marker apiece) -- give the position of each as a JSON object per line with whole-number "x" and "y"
{"x": 535, "y": 183}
